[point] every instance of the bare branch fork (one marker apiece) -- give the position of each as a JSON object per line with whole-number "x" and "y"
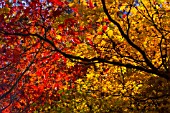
{"x": 152, "y": 68}
{"x": 96, "y": 59}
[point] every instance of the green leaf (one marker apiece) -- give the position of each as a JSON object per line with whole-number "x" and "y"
{"x": 60, "y": 91}
{"x": 35, "y": 111}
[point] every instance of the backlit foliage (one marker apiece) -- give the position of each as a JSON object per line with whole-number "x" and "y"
{"x": 116, "y": 91}
{"x": 85, "y": 56}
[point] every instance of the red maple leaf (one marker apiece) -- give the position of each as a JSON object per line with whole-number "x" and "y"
{"x": 57, "y": 2}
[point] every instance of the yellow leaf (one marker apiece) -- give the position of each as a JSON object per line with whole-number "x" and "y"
{"x": 110, "y": 33}
{"x": 104, "y": 89}
{"x": 120, "y": 38}
{"x": 160, "y": 1}
{"x": 97, "y": 64}
{"x": 90, "y": 75}
{"x": 103, "y": 42}
{"x": 69, "y": 64}
{"x": 71, "y": 4}
{"x": 58, "y": 37}
{"x": 104, "y": 36}
{"x": 99, "y": 29}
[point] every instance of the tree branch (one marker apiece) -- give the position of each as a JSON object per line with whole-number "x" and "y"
{"x": 5, "y": 66}
{"x": 148, "y": 62}
{"x": 18, "y": 79}
{"x": 95, "y": 59}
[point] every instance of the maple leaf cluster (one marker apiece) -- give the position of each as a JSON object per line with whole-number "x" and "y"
{"x": 70, "y": 48}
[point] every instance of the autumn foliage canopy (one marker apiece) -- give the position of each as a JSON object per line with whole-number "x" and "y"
{"x": 85, "y": 56}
